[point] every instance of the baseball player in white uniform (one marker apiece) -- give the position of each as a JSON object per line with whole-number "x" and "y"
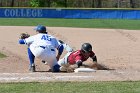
{"x": 43, "y": 46}
{"x": 65, "y": 47}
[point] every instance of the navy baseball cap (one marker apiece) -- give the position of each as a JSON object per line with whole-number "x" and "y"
{"x": 40, "y": 28}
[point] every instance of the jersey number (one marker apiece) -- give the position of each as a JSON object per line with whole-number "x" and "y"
{"x": 46, "y": 37}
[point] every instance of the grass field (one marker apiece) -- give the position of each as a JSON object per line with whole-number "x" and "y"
{"x": 2, "y": 55}
{"x": 82, "y": 23}
{"x": 69, "y": 87}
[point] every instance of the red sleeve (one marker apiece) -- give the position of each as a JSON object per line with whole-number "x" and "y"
{"x": 92, "y": 54}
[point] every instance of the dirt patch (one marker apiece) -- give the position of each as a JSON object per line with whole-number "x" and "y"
{"x": 115, "y": 48}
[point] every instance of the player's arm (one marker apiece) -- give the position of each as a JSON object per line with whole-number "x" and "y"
{"x": 26, "y": 41}
{"x": 60, "y": 48}
{"x": 21, "y": 41}
{"x": 60, "y": 51}
{"x": 94, "y": 58}
{"x": 78, "y": 61}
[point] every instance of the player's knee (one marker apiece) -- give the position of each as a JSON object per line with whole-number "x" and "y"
{"x": 56, "y": 68}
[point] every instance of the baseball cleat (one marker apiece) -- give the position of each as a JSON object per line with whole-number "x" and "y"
{"x": 32, "y": 68}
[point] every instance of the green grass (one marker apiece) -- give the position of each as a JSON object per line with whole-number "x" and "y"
{"x": 69, "y": 87}
{"x": 82, "y": 23}
{"x": 2, "y": 55}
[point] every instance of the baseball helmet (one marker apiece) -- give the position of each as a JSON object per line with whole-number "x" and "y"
{"x": 86, "y": 47}
{"x": 40, "y": 28}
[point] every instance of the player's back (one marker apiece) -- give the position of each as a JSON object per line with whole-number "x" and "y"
{"x": 43, "y": 40}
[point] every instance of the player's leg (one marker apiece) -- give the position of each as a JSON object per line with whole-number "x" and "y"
{"x": 31, "y": 59}
{"x": 56, "y": 67}
{"x": 34, "y": 52}
{"x": 64, "y": 62}
{"x": 49, "y": 56}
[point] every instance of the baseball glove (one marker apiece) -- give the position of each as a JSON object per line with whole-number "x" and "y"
{"x": 24, "y": 35}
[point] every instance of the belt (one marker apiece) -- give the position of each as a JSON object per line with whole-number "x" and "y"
{"x": 45, "y": 47}
{"x": 52, "y": 50}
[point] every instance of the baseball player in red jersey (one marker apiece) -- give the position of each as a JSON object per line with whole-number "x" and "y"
{"x": 76, "y": 58}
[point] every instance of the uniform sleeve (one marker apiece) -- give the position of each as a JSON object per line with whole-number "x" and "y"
{"x": 59, "y": 46}
{"x": 92, "y": 54}
{"x": 29, "y": 40}
{"x": 55, "y": 42}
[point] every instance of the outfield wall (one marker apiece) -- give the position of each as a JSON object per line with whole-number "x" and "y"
{"x": 69, "y": 13}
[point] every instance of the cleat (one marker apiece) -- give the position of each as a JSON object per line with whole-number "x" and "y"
{"x": 32, "y": 68}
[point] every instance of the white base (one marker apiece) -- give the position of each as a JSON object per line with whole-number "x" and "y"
{"x": 84, "y": 70}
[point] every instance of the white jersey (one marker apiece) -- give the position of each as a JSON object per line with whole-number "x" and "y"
{"x": 42, "y": 40}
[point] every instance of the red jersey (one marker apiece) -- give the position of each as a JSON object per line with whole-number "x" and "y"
{"x": 78, "y": 55}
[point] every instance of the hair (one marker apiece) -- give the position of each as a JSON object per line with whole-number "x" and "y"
{"x": 43, "y": 32}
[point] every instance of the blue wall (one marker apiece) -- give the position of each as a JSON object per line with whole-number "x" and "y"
{"x": 69, "y": 13}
